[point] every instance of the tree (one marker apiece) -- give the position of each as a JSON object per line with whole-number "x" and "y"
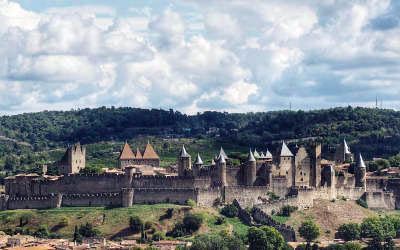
{"x": 265, "y": 238}
{"x": 377, "y": 227}
{"x": 309, "y": 231}
{"x": 192, "y": 222}
{"x": 230, "y": 211}
{"x": 136, "y": 224}
{"x": 42, "y": 232}
{"x": 87, "y": 230}
{"x": 349, "y": 231}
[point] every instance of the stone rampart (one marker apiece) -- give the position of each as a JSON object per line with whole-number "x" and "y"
{"x": 163, "y": 195}
{"x": 380, "y": 200}
{"x": 33, "y": 202}
{"x": 261, "y": 217}
{"x": 92, "y": 200}
{"x": 208, "y": 197}
{"x": 245, "y": 195}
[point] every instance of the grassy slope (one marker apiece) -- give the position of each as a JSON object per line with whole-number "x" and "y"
{"x": 116, "y": 221}
{"x": 330, "y": 215}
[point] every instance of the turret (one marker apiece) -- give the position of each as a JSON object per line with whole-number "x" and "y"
{"x": 343, "y": 153}
{"x": 251, "y": 169}
{"x": 286, "y": 164}
{"x": 197, "y": 165}
{"x": 184, "y": 162}
{"x": 360, "y": 171}
{"x": 256, "y": 155}
{"x": 221, "y": 169}
{"x": 268, "y": 156}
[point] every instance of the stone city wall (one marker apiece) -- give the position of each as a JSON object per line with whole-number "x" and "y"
{"x": 163, "y": 195}
{"x": 245, "y": 195}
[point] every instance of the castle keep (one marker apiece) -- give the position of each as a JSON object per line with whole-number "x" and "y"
{"x": 297, "y": 175}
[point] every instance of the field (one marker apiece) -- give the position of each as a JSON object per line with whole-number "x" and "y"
{"x": 114, "y": 223}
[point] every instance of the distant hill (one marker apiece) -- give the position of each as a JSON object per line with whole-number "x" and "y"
{"x": 376, "y": 132}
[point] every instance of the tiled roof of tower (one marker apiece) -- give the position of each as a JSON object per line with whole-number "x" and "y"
{"x": 222, "y": 152}
{"x": 285, "y": 150}
{"x": 198, "y": 161}
{"x": 183, "y": 152}
{"x": 138, "y": 154}
{"x": 268, "y": 154}
{"x": 360, "y": 162}
{"x": 221, "y": 158}
{"x": 346, "y": 147}
{"x": 126, "y": 153}
{"x": 256, "y": 154}
{"x": 250, "y": 157}
{"x": 149, "y": 152}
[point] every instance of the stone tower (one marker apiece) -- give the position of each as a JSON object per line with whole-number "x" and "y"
{"x": 250, "y": 170}
{"x": 184, "y": 162}
{"x": 197, "y": 165}
{"x": 221, "y": 169}
{"x": 343, "y": 153}
{"x": 360, "y": 171}
{"x": 73, "y": 160}
{"x": 286, "y": 164}
{"x": 315, "y": 156}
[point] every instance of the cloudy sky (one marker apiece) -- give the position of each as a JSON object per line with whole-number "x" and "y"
{"x": 190, "y": 55}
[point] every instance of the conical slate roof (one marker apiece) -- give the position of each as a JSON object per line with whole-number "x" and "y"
{"x": 250, "y": 157}
{"x": 149, "y": 152}
{"x": 198, "y": 161}
{"x": 222, "y": 152}
{"x": 346, "y": 147}
{"x": 221, "y": 158}
{"x": 285, "y": 151}
{"x": 360, "y": 162}
{"x": 126, "y": 153}
{"x": 256, "y": 154}
{"x": 183, "y": 152}
{"x": 262, "y": 155}
{"x": 268, "y": 155}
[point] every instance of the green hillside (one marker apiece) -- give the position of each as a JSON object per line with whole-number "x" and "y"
{"x": 30, "y": 139}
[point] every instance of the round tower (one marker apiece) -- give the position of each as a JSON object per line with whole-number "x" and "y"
{"x": 129, "y": 171}
{"x": 251, "y": 168}
{"x": 360, "y": 172}
{"x": 197, "y": 165}
{"x": 221, "y": 168}
{"x": 184, "y": 162}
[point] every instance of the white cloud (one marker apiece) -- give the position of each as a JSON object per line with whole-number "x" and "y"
{"x": 197, "y": 55}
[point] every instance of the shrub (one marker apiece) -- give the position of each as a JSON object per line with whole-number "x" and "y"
{"x": 362, "y": 203}
{"x": 168, "y": 214}
{"x": 63, "y": 222}
{"x": 349, "y": 231}
{"x": 309, "y": 231}
{"x": 148, "y": 225}
{"x": 179, "y": 230}
{"x": 192, "y": 222}
{"x": 42, "y": 232}
{"x": 220, "y": 220}
{"x": 265, "y": 236}
{"x": 157, "y": 236}
{"x": 216, "y": 241}
{"x": 135, "y": 224}
{"x": 87, "y": 230}
{"x": 287, "y": 210}
{"x": 272, "y": 196}
{"x": 191, "y": 203}
{"x": 230, "y": 211}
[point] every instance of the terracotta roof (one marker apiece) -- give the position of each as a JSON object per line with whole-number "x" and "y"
{"x": 138, "y": 154}
{"x": 126, "y": 153}
{"x": 149, "y": 152}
